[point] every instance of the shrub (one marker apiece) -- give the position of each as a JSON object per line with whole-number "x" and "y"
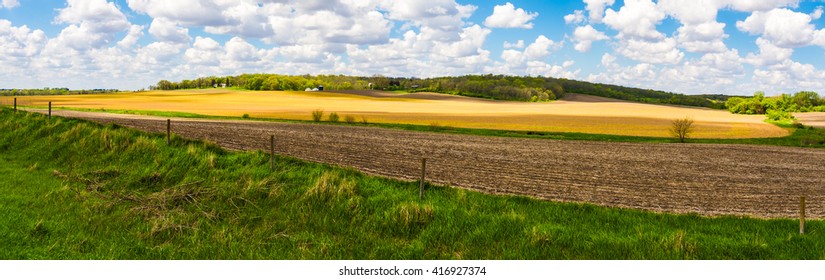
{"x": 778, "y": 115}
{"x": 364, "y": 120}
{"x": 681, "y": 128}
{"x": 245, "y": 116}
{"x": 317, "y": 115}
{"x": 349, "y": 119}
{"x": 333, "y": 117}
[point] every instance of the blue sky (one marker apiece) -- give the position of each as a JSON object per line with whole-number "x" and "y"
{"x": 687, "y": 46}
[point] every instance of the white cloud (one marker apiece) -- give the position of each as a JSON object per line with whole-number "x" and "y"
{"x": 93, "y": 24}
{"x": 19, "y": 42}
{"x": 782, "y": 27}
{"x": 423, "y": 54}
{"x": 769, "y": 54}
{"x": 609, "y": 60}
{"x": 636, "y": 19}
{"x": 532, "y": 61}
{"x": 205, "y": 51}
{"x": 700, "y": 32}
{"x": 577, "y": 17}
{"x": 186, "y": 12}
{"x": 517, "y": 45}
{"x": 704, "y": 37}
{"x": 585, "y": 35}
{"x": 790, "y": 77}
{"x": 717, "y": 72}
{"x": 167, "y": 31}
{"x": 595, "y": 8}
{"x": 816, "y": 14}
{"x": 134, "y": 34}
{"x": 691, "y": 11}
{"x": 507, "y": 16}
{"x": 541, "y": 48}
{"x": 8, "y": 4}
{"x": 655, "y": 52}
{"x": 444, "y": 18}
{"x": 158, "y": 54}
{"x": 470, "y": 42}
{"x": 756, "y": 5}
{"x": 303, "y": 53}
{"x": 98, "y": 16}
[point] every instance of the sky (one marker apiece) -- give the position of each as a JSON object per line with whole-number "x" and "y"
{"x": 687, "y": 46}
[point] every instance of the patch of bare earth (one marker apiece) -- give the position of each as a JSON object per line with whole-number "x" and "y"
{"x": 760, "y": 181}
{"x": 815, "y": 119}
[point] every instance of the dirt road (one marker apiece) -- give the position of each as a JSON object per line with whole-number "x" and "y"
{"x": 761, "y": 181}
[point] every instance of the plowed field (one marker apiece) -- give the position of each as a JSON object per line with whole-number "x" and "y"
{"x": 760, "y": 181}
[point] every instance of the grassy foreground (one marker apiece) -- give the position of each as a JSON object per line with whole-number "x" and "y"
{"x": 70, "y": 189}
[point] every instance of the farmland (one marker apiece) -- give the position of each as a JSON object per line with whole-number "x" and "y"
{"x": 760, "y": 181}
{"x": 575, "y": 113}
{"x": 139, "y": 198}
{"x": 815, "y": 119}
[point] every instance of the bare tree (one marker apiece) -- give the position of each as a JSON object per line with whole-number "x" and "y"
{"x": 681, "y": 128}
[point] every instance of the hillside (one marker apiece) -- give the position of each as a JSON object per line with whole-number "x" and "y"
{"x": 431, "y": 109}
{"x": 500, "y": 87}
{"x": 138, "y": 198}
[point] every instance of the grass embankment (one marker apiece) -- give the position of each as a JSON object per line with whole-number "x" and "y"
{"x": 70, "y": 189}
{"x": 799, "y": 136}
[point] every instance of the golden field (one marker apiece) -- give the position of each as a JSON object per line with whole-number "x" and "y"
{"x": 576, "y": 113}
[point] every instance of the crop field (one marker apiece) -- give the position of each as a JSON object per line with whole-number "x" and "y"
{"x": 576, "y": 113}
{"x": 815, "y": 119}
{"x": 707, "y": 179}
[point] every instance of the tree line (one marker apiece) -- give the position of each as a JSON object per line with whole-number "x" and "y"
{"x": 716, "y": 101}
{"x": 777, "y": 107}
{"x": 52, "y": 91}
{"x": 501, "y": 87}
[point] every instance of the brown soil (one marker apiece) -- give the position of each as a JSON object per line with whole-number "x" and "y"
{"x": 815, "y": 119}
{"x": 760, "y": 181}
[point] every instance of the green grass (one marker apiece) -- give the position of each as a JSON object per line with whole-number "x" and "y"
{"x": 809, "y": 137}
{"x": 71, "y": 189}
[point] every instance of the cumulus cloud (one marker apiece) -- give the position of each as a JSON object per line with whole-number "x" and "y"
{"x": 507, "y": 16}
{"x": 445, "y": 18}
{"x": 204, "y": 51}
{"x": 636, "y": 19}
{"x": 816, "y": 14}
{"x": 8, "y": 4}
{"x": 753, "y": 6}
{"x": 790, "y": 76}
{"x": 585, "y": 35}
{"x": 167, "y": 31}
{"x": 19, "y": 42}
{"x": 517, "y": 45}
{"x": 782, "y": 27}
{"x": 655, "y": 52}
{"x": 134, "y": 34}
{"x": 93, "y": 24}
{"x": 577, "y": 17}
{"x": 769, "y": 54}
{"x": 533, "y": 61}
{"x": 595, "y": 8}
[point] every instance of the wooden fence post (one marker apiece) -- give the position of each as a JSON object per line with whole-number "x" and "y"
{"x": 50, "y": 110}
{"x": 272, "y": 153}
{"x": 801, "y": 215}
{"x": 168, "y": 132}
{"x": 15, "y": 104}
{"x": 423, "y": 174}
